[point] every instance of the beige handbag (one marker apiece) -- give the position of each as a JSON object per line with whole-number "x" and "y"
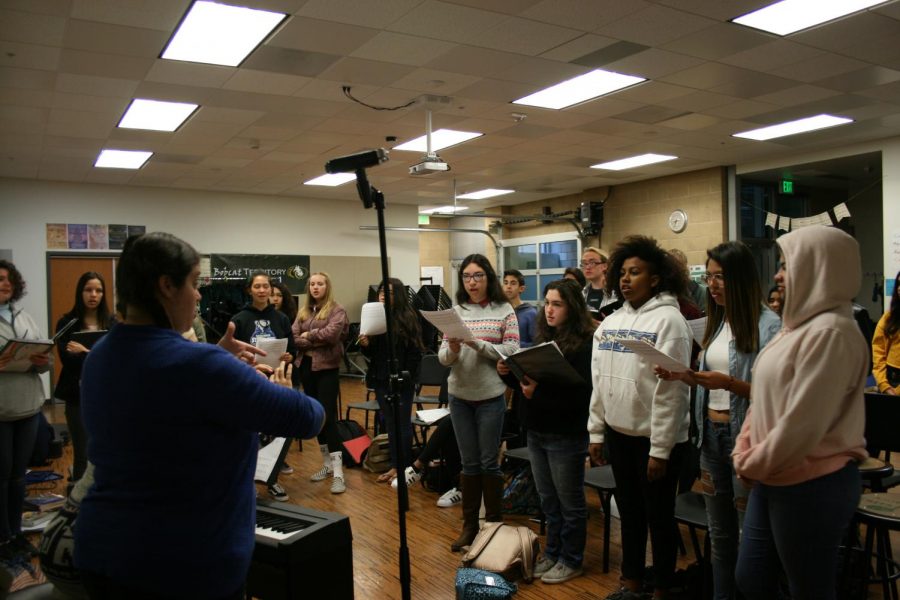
{"x": 506, "y": 549}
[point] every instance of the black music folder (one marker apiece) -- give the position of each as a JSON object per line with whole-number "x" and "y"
{"x": 545, "y": 364}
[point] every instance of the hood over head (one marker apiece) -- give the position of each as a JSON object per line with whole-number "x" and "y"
{"x": 823, "y": 272}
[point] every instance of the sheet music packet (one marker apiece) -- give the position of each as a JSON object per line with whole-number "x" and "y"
{"x": 274, "y": 348}
{"x": 266, "y": 459}
{"x": 21, "y": 349}
{"x": 449, "y": 323}
{"x": 652, "y": 356}
{"x": 543, "y": 363}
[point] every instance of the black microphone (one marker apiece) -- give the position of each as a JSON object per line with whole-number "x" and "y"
{"x": 354, "y": 162}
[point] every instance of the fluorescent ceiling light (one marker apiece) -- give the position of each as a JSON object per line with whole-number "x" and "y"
{"x": 443, "y": 209}
{"x": 440, "y": 139}
{"x": 156, "y": 115}
{"x": 789, "y": 16}
{"x": 578, "y": 89}
{"x": 331, "y": 179}
{"x": 792, "y": 127}
{"x": 122, "y": 159}
{"x": 219, "y": 34}
{"x": 634, "y": 161}
{"x": 482, "y": 194}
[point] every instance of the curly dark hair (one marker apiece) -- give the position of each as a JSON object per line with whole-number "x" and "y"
{"x": 578, "y": 326}
{"x": 15, "y": 278}
{"x": 661, "y": 263}
{"x": 494, "y": 291}
{"x": 288, "y": 304}
{"x": 577, "y": 274}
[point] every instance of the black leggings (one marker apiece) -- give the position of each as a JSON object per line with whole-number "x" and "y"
{"x": 79, "y": 437}
{"x": 323, "y": 386}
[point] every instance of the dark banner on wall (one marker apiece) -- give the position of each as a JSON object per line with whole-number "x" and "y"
{"x": 291, "y": 270}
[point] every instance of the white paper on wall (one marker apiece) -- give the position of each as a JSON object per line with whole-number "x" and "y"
{"x": 841, "y": 212}
{"x": 784, "y": 224}
{"x": 771, "y": 220}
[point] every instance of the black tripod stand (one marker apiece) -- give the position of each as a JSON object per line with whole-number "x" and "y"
{"x": 372, "y": 197}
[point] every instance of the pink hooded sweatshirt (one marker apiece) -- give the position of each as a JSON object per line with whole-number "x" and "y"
{"x": 807, "y": 412}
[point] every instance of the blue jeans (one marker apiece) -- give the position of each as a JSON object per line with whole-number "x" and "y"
{"x": 16, "y": 445}
{"x": 726, "y": 502}
{"x": 405, "y": 438}
{"x": 557, "y": 463}
{"x": 478, "y": 426}
{"x": 800, "y": 526}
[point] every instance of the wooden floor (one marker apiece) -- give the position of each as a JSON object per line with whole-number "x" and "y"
{"x": 372, "y": 508}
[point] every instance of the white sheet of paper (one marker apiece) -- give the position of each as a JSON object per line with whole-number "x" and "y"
{"x": 698, "y": 328}
{"x": 274, "y": 348}
{"x": 771, "y": 220}
{"x": 266, "y": 458}
{"x": 652, "y": 356}
{"x": 371, "y": 319}
{"x": 841, "y": 212}
{"x": 449, "y": 322}
{"x": 432, "y": 415}
{"x": 784, "y": 224}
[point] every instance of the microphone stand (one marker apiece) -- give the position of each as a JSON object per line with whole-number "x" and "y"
{"x": 370, "y": 197}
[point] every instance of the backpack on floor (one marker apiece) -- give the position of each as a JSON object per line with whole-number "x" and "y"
{"x": 355, "y": 441}
{"x": 475, "y": 584}
{"x": 378, "y": 456}
{"x": 520, "y": 497}
{"x": 505, "y": 549}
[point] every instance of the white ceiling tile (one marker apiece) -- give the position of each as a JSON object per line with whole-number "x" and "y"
{"x": 771, "y": 55}
{"x": 249, "y": 80}
{"x": 71, "y": 123}
{"x": 28, "y": 56}
{"x": 403, "y": 49}
{"x": 740, "y": 109}
{"x": 691, "y": 122}
{"x": 360, "y": 70}
{"x": 578, "y": 47}
{"x": 722, "y": 11}
{"x": 446, "y": 21}
{"x": 497, "y": 91}
{"x": 859, "y": 28}
{"x": 474, "y": 61}
{"x": 721, "y": 39}
{"x": 654, "y": 25}
{"x": 216, "y": 114}
{"x": 861, "y": 79}
{"x": 653, "y": 63}
{"x": 539, "y": 72}
{"x": 90, "y": 103}
{"x": 31, "y": 28}
{"x": 522, "y": 36}
{"x": 878, "y": 50}
{"x": 819, "y": 67}
{"x": 432, "y": 81}
{"x": 79, "y": 62}
{"x": 173, "y": 71}
{"x": 24, "y": 97}
{"x": 316, "y": 35}
{"x": 155, "y": 14}
{"x": 114, "y": 39}
{"x": 358, "y": 12}
{"x": 586, "y": 15}
{"x": 29, "y": 79}
{"x": 98, "y": 86}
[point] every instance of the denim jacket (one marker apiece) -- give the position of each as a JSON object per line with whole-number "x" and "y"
{"x": 739, "y": 367}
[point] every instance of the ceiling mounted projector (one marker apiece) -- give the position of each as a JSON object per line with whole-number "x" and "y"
{"x": 431, "y": 163}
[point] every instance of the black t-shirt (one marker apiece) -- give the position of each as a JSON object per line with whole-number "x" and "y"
{"x": 594, "y": 300}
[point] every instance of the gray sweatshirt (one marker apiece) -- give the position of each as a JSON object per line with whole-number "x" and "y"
{"x": 21, "y": 394}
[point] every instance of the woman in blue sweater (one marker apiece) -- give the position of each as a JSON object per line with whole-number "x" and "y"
{"x": 160, "y": 412}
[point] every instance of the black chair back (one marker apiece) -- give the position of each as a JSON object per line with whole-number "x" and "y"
{"x": 432, "y": 372}
{"x": 882, "y": 422}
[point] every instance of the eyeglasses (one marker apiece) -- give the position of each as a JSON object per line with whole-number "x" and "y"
{"x": 476, "y": 276}
{"x": 717, "y": 277}
{"x": 590, "y": 264}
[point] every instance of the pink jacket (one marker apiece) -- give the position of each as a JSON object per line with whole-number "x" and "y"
{"x": 807, "y": 412}
{"x": 325, "y": 339}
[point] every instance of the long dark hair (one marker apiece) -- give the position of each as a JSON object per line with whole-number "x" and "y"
{"x": 288, "y": 304}
{"x": 577, "y": 328}
{"x": 145, "y": 258}
{"x": 577, "y": 274}
{"x": 15, "y": 278}
{"x": 743, "y": 297}
{"x": 661, "y": 263}
{"x": 893, "y": 321}
{"x": 404, "y": 322}
{"x": 79, "y": 309}
{"x": 494, "y": 291}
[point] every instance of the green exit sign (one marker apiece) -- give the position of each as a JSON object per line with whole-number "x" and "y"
{"x": 787, "y": 187}
{"x": 424, "y": 219}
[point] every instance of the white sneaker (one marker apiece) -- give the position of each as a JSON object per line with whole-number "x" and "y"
{"x": 322, "y": 473}
{"x": 338, "y": 486}
{"x": 412, "y": 476}
{"x": 451, "y": 497}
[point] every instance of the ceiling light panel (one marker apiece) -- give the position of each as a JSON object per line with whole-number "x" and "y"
{"x": 220, "y": 34}
{"x": 440, "y": 139}
{"x": 486, "y": 193}
{"x": 793, "y": 127}
{"x": 579, "y": 89}
{"x": 156, "y": 115}
{"x": 633, "y": 162}
{"x": 790, "y": 16}
{"x": 122, "y": 159}
{"x": 443, "y": 209}
{"x": 332, "y": 179}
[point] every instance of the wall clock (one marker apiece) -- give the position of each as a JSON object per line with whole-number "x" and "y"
{"x": 678, "y": 220}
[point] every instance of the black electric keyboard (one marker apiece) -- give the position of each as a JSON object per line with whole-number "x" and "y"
{"x": 300, "y": 553}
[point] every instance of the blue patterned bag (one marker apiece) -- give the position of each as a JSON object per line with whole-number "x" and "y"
{"x": 475, "y": 584}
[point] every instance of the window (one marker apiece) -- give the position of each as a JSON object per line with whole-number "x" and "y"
{"x": 541, "y": 259}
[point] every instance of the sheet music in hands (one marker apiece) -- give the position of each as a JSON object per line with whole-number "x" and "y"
{"x": 652, "y": 356}
{"x": 698, "y": 328}
{"x": 274, "y": 348}
{"x": 372, "y": 320}
{"x": 266, "y": 459}
{"x": 449, "y": 322}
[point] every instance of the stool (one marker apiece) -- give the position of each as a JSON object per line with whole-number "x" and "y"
{"x": 523, "y": 455}
{"x": 690, "y": 510}
{"x": 881, "y": 514}
{"x": 602, "y": 479}
{"x": 873, "y": 472}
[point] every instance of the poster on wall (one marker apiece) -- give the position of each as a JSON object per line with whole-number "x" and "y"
{"x": 98, "y": 237}
{"x": 136, "y": 230}
{"x": 77, "y": 236}
{"x": 117, "y": 235}
{"x": 56, "y": 236}
{"x": 292, "y": 270}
